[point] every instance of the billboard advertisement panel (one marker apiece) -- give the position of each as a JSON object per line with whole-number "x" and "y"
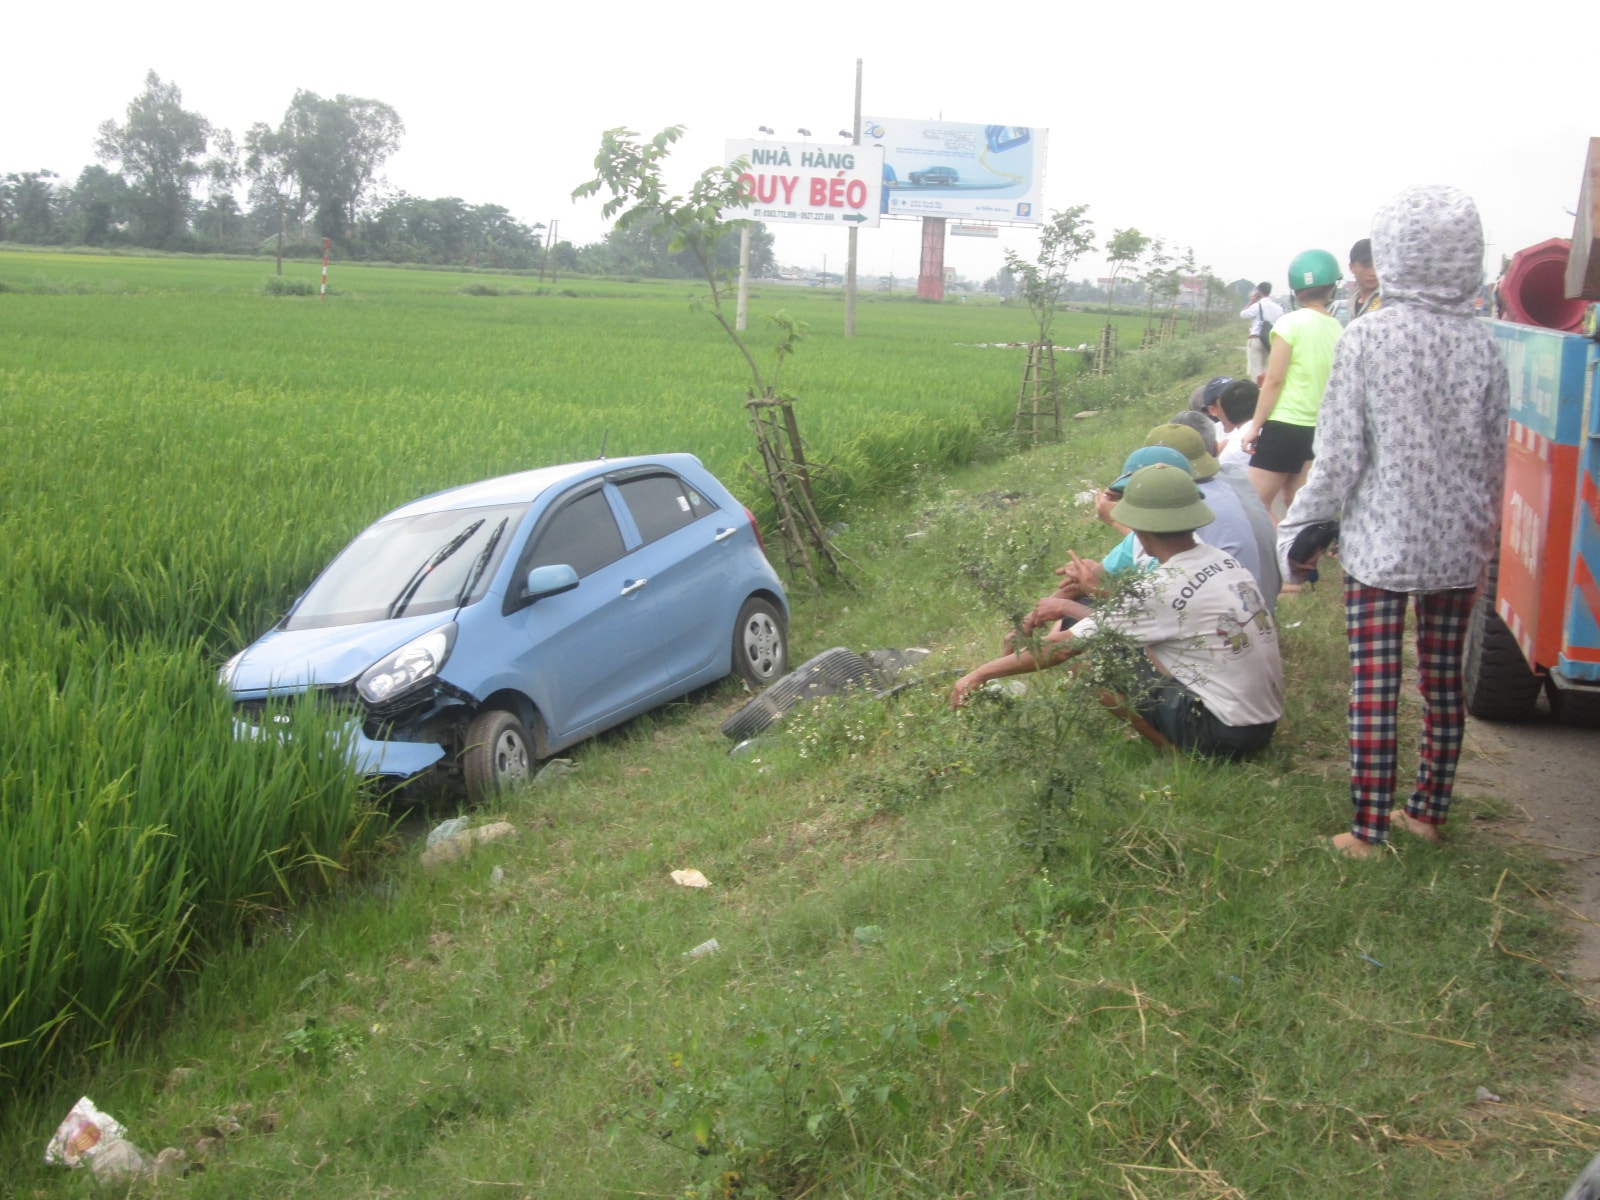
{"x": 984, "y": 173}
{"x": 801, "y": 183}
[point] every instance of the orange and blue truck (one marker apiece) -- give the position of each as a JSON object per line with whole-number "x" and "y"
{"x": 1536, "y": 626}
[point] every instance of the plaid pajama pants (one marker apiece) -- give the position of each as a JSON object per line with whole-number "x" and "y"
{"x": 1376, "y": 622}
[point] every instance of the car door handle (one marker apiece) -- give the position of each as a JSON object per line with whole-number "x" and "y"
{"x": 724, "y": 534}
{"x": 629, "y": 589}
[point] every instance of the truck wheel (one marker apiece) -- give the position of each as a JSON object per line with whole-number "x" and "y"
{"x": 1499, "y": 684}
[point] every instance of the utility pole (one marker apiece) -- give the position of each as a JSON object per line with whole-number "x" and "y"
{"x": 549, "y": 244}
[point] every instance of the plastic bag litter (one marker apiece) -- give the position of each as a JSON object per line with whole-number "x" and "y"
{"x": 709, "y": 946}
{"x": 690, "y": 878}
{"x": 120, "y": 1160}
{"x": 445, "y": 829}
{"x": 85, "y": 1134}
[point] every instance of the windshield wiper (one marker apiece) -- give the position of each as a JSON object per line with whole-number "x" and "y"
{"x": 480, "y": 563}
{"x": 398, "y": 604}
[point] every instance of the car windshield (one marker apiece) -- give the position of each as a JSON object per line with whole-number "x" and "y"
{"x": 410, "y": 567}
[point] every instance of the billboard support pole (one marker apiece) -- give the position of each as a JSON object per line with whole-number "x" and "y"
{"x": 850, "y": 262}
{"x": 744, "y": 276}
{"x": 930, "y": 278}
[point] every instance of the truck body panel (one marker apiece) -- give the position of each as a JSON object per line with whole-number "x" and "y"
{"x": 1548, "y": 594}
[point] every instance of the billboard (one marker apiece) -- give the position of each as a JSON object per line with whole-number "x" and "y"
{"x": 801, "y": 183}
{"x": 982, "y": 173}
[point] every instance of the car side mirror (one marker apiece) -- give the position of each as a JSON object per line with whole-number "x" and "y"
{"x": 549, "y": 581}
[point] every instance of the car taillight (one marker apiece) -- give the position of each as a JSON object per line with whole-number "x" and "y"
{"x": 756, "y": 529}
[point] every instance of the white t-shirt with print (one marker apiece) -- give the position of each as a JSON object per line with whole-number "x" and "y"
{"x": 1201, "y": 616}
{"x": 1231, "y": 448}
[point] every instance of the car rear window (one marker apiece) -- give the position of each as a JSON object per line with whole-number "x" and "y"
{"x": 662, "y": 504}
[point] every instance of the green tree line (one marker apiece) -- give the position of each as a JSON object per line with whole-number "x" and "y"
{"x": 168, "y": 179}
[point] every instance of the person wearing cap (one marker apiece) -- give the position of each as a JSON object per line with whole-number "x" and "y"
{"x": 1083, "y": 578}
{"x": 1411, "y": 462}
{"x": 1230, "y": 530}
{"x": 1297, "y": 371}
{"x": 1208, "y": 678}
{"x": 1262, "y": 560}
{"x": 1204, "y": 397}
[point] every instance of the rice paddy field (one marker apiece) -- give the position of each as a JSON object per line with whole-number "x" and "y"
{"x": 183, "y": 451}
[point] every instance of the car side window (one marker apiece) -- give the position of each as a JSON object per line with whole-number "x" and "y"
{"x": 662, "y": 504}
{"x": 583, "y": 534}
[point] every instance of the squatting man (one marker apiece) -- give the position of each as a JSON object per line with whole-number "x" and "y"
{"x": 1208, "y": 678}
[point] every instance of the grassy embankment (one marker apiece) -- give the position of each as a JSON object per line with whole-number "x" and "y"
{"x": 1000, "y": 953}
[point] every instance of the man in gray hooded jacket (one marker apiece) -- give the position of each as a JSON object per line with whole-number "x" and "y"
{"x": 1410, "y": 446}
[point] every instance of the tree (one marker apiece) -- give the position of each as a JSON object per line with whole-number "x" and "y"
{"x": 631, "y": 171}
{"x": 29, "y": 208}
{"x": 642, "y": 250}
{"x": 332, "y": 150}
{"x": 1064, "y": 239}
{"x": 697, "y": 223}
{"x": 447, "y": 230}
{"x": 1158, "y": 278}
{"x": 275, "y": 194}
{"x": 100, "y": 209}
{"x": 1124, "y": 248}
{"x": 158, "y": 151}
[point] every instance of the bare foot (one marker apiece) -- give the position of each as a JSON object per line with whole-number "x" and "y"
{"x": 1353, "y": 847}
{"x": 1421, "y": 829}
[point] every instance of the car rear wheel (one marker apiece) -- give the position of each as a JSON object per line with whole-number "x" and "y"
{"x": 497, "y": 754}
{"x": 760, "y": 643}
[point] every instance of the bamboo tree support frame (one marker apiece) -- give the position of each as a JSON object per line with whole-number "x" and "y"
{"x": 1105, "y": 351}
{"x": 788, "y": 478}
{"x": 1039, "y": 391}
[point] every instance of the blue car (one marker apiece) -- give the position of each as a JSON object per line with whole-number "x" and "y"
{"x": 472, "y": 632}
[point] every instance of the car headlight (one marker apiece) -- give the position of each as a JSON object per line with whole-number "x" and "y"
{"x": 225, "y": 671}
{"x": 418, "y": 660}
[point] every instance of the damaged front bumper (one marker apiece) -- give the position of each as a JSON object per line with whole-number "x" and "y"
{"x": 375, "y": 746}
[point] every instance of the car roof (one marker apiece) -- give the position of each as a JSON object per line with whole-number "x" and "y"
{"x": 526, "y": 486}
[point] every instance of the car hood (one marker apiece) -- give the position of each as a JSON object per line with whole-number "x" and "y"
{"x": 295, "y": 659}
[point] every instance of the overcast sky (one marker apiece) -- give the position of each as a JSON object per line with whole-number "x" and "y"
{"x": 1250, "y": 131}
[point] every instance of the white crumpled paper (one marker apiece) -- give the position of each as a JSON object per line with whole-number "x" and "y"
{"x": 85, "y": 1133}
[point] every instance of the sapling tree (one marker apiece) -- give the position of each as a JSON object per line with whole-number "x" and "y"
{"x": 1064, "y": 239}
{"x": 1124, "y": 248}
{"x": 630, "y": 170}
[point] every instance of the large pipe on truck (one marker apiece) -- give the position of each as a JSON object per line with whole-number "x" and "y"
{"x": 1533, "y": 290}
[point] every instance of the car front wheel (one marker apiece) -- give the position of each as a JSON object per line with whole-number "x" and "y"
{"x": 497, "y": 753}
{"x": 760, "y": 643}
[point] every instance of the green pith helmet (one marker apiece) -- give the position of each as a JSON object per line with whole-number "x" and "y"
{"x": 1313, "y": 268}
{"x": 1162, "y": 499}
